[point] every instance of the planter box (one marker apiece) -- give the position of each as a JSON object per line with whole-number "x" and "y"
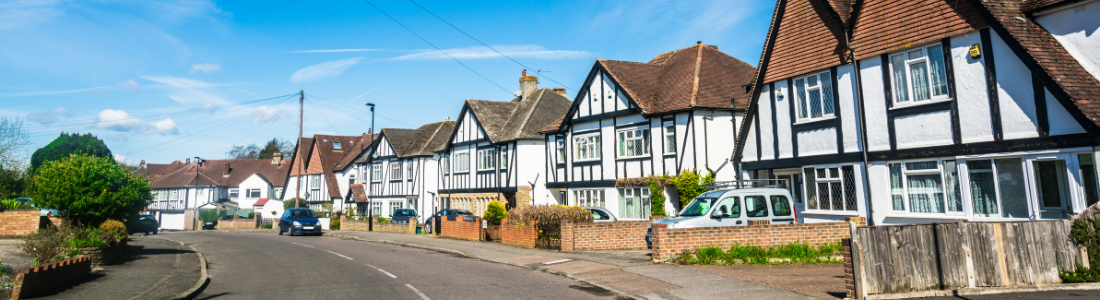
{"x": 105, "y": 255}
{"x": 49, "y": 277}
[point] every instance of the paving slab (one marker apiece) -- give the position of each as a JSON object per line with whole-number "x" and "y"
{"x": 699, "y": 284}
{"x": 627, "y": 282}
{"x": 155, "y": 269}
{"x": 579, "y": 267}
{"x": 528, "y": 260}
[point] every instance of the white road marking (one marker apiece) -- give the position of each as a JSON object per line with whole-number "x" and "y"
{"x": 383, "y": 271}
{"x": 338, "y": 254}
{"x": 303, "y": 245}
{"x": 556, "y": 261}
{"x": 422, "y": 296}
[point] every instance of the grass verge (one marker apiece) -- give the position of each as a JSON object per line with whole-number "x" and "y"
{"x": 795, "y": 253}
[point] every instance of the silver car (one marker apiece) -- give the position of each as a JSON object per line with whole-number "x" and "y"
{"x": 600, "y": 214}
{"x": 732, "y": 207}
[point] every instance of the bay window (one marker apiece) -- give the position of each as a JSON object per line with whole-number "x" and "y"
{"x": 633, "y": 142}
{"x": 588, "y": 147}
{"x": 926, "y": 186}
{"x": 486, "y": 159}
{"x": 830, "y": 188}
{"x": 634, "y": 203}
{"x": 919, "y": 74}
{"x": 814, "y": 96}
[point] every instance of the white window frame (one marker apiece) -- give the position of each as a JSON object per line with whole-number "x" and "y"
{"x": 642, "y": 195}
{"x": 627, "y": 140}
{"x": 590, "y": 197}
{"x": 395, "y": 170}
{"x": 504, "y": 159}
{"x": 409, "y": 170}
{"x": 234, "y": 193}
{"x": 316, "y": 180}
{"x": 829, "y": 179}
{"x": 462, "y": 162}
{"x": 908, "y": 91}
{"x": 824, "y": 79}
{"x": 560, "y": 140}
{"x": 278, "y": 193}
{"x": 669, "y": 128}
{"x": 446, "y": 164}
{"x": 940, "y": 170}
{"x": 486, "y": 159}
{"x": 351, "y": 179}
{"x": 590, "y": 143}
{"x": 250, "y": 191}
{"x": 376, "y": 173}
{"x": 394, "y": 208}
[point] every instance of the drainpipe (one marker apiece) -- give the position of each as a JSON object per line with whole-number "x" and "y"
{"x": 858, "y": 91}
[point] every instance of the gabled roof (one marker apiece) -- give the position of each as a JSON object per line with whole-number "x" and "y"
{"x": 400, "y": 139}
{"x": 261, "y": 202}
{"x": 301, "y": 156}
{"x": 331, "y": 157}
{"x": 224, "y": 173}
{"x": 364, "y": 142}
{"x": 423, "y": 141}
{"x": 699, "y": 76}
{"x": 357, "y": 193}
{"x": 516, "y": 120}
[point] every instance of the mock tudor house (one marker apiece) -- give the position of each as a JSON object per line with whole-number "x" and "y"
{"x": 327, "y": 172}
{"x": 233, "y": 182}
{"x": 495, "y": 151}
{"x": 935, "y": 111}
{"x": 402, "y": 169}
{"x": 676, "y": 112}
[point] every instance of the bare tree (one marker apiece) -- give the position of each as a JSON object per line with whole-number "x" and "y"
{"x": 12, "y": 139}
{"x": 244, "y": 152}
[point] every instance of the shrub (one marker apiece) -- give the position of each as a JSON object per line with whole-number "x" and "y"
{"x": 381, "y": 219}
{"x": 1085, "y": 231}
{"x": 67, "y": 145}
{"x": 529, "y": 214}
{"x": 495, "y": 212}
{"x": 7, "y": 204}
{"x": 89, "y": 189}
{"x": 689, "y": 184}
{"x": 251, "y": 215}
{"x": 334, "y": 224}
{"x": 657, "y": 196}
{"x": 116, "y": 228}
{"x": 289, "y": 203}
{"x": 44, "y": 244}
{"x": 794, "y": 253}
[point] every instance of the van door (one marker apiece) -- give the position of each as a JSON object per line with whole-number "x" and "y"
{"x": 781, "y": 209}
{"x": 730, "y": 213}
{"x": 756, "y": 208}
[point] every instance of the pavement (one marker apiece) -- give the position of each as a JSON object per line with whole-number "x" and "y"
{"x": 630, "y": 273}
{"x": 155, "y": 269}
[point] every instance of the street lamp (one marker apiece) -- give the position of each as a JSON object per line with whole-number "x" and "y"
{"x": 370, "y": 204}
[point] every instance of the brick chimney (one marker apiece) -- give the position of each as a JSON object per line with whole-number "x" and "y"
{"x": 141, "y": 165}
{"x": 560, "y": 91}
{"x": 277, "y": 158}
{"x": 527, "y": 85}
{"x": 187, "y": 161}
{"x": 225, "y": 173}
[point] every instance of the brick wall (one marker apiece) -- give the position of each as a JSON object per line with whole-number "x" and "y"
{"x": 603, "y": 236}
{"x": 518, "y": 235}
{"x": 461, "y": 229}
{"x": 409, "y": 228}
{"x": 237, "y": 224}
{"x": 671, "y": 242}
{"x": 350, "y": 225}
{"x": 19, "y": 222}
{"x": 50, "y": 277}
{"x": 849, "y": 272}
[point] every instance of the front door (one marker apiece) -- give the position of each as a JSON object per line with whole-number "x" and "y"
{"x": 1051, "y": 177}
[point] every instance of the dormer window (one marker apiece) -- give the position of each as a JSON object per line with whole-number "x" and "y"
{"x": 336, "y": 145}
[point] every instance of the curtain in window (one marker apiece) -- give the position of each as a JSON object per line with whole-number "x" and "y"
{"x": 623, "y": 195}
{"x": 811, "y": 192}
{"x": 901, "y": 85}
{"x": 815, "y": 97}
{"x": 954, "y": 192}
{"x": 925, "y": 193}
{"x": 982, "y": 189}
{"x": 939, "y": 72}
{"x": 897, "y": 190}
{"x": 823, "y": 195}
{"x": 801, "y": 95}
{"x": 838, "y": 201}
{"x": 1011, "y": 181}
{"x": 919, "y": 72}
{"x": 827, "y": 93}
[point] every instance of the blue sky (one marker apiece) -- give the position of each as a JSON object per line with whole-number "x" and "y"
{"x": 162, "y": 81}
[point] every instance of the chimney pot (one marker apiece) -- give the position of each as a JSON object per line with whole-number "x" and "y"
{"x": 277, "y": 158}
{"x": 560, "y": 91}
{"x": 527, "y": 85}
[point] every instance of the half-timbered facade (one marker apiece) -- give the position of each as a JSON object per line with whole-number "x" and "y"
{"x": 402, "y": 169}
{"x": 238, "y": 182}
{"x": 495, "y": 151}
{"x": 327, "y": 172}
{"x": 674, "y": 113}
{"x": 927, "y": 111}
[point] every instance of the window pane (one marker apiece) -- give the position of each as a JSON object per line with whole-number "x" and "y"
{"x": 756, "y": 207}
{"x": 849, "y": 188}
{"x": 781, "y": 206}
{"x": 919, "y": 71}
{"x": 622, "y": 143}
{"x": 897, "y": 191}
{"x": 801, "y": 95}
{"x": 954, "y": 192}
{"x": 924, "y": 165}
{"x": 815, "y": 103}
{"x": 939, "y": 72}
{"x": 823, "y": 195}
{"x": 1012, "y": 184}
{"x": 915, "y": 54}
{"x": 670, "y": 139}
{"x": 827, "y": 93}
{"x": 982, "y": 189}
{"x": 837, "y": 197}
{"x": 821, "y": 173}
{"x": 811, "y": 188}
{"x": 901, "y": 85}
{"x": 833, "y": 173}
{"x": 730, "y": 207}
{"x": 1088, "y": 178}
{"x": 925, "y": 193}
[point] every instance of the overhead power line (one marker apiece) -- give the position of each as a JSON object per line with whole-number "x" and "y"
{"x": 487, "y": 45}
{"x": 437, "y": 48}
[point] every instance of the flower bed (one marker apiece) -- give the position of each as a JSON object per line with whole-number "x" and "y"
{"x": 38, "y": 280}
{"x": 105, "y": 255}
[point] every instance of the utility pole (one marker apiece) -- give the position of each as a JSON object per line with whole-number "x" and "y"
{"x": 301, "y": 105}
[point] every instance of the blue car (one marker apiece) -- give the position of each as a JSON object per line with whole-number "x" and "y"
{"x": 300, "y": 221}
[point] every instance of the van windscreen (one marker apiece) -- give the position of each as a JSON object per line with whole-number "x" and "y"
{"x": 698, "y": 207}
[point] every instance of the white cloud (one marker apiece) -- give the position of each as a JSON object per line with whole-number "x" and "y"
{"x": 480, "y": 52}
{"x": 41, "y": 93}
{"x": 122, "y": 159}
{"x": 265, "y": 114}
{"x": 130, "y": 85}
{"x": 205, "y": 68}
{"x": 49, "y": 117}
{"x": 27, "y": 12}
{"x": 324, "y": 70}
{"x": 189, "y": 91}
{"x": 120, "y": 121}
{"x": 334, "y": 50}
{"x": 209, "y": 108}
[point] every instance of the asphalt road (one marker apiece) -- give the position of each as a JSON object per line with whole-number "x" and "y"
{"x": 269, "y": 266}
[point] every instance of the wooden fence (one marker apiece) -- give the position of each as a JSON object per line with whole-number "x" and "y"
{"x": 949, "y": 256}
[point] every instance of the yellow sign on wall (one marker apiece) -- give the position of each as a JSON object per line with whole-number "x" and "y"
{"x": 975, "y": 51}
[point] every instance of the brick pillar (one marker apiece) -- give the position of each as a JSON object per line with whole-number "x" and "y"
{"x": 860, "y": 221}
{"x": 659, "y": 239}
{"x": 849, "y": 271}
{"x": 412, "y": 226}
{"x": 567, "y": 243}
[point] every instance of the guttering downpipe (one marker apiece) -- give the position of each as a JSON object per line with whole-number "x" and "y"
{"x": 862, "y": 119}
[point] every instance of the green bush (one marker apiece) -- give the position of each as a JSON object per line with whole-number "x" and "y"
{"x": 251, "y": 215}
{"x": 494, "y": 212}
{"x": 690, "y": 184}
{"x": 794, "y": 253}
{"x": 289, "y": 203}
{"x": 334, "y": 224}
{"x": 657, "y": 196}
{"x": 116, "y": 228}
{"x": 381, "y": 219}
{"x": 44, "y": 245}
{"x": 67, "y": 145}
{"x": 89, "y": 189}
{"x": 1085, "y": 231}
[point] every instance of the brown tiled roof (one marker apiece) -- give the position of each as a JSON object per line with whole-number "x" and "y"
{"x": 515, "y": 120}
{"x": 358, "y": 147}
{"x": 431, "y": 137}
{"x": 400, "y": 139}
{"x": 699, "y": 76}
{"x": 261, "y": 202}
{"x": 302, "y": 157}
{"x": 808, "y": 39}
{"x": 553, "y": 127}
{"x": 358, "y": 193}
{"x": 1032, "y": 5}
{"x": 843, "y": 8}
{"x": 884, "y": 26}
{"x": 214, "y": 171}
{"x": 330, "y": 157}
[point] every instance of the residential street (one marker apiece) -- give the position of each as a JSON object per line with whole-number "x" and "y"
{"x": 269, "y": 266}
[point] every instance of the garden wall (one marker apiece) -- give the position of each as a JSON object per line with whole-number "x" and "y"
{"x": 518, "y": 235}
{"x": 623, "y": 235}
{"x": 50, "y": 277}
{"x": 19, "y": 222}
{"x": 352, "y": 225}
{"x": 237, "y": 224}
{"x": 671, "y": 242}
{"x": 409, "y": 228}
{"x": 462, "y": 227}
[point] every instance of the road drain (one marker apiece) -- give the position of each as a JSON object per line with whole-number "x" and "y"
{"x": 594, "y": 290}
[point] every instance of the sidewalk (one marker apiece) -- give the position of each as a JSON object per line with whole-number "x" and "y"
{"x": 155, "y": 269}
{"x": 628, "y": 272}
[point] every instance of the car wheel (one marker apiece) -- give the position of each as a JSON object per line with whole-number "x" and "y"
{"x": 280, "y": 231}
{"x": 156, "y": 231}
{"x": 428, "y": 227}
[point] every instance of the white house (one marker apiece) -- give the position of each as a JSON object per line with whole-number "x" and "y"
{"x": 402, "y": 169}
{"x": 327, "y": 169}
{"x": 941, "y": 111}
{"x": 676, "y": 112}
{"x": 239, "y": 182}
{"x": 495, "y": 151}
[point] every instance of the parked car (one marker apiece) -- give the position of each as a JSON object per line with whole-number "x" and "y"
{"x": 601, "y": 215}
{"x": 213, "y": 224}
{"x": 731, "y": 207}
{"x": 300, "y": 221}
{"x": 403, "y": 216}
{"x": 145, "y": 223}
{"x": 44, "y": 212}
{"x": 443, "y": 213}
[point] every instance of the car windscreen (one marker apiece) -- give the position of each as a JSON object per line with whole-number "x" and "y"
{"x": 147, "y": 218}
{"x": 302, "y": 214}
{"x": 462, "y": 212}
{"x": 600, "y": 215}
{"x": 404, "y": 213}
{"x": 698, "y": 207}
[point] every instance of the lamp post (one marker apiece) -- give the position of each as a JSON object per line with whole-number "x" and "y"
{"x": 370, "y": 202}
{"x": 198, "y": 168}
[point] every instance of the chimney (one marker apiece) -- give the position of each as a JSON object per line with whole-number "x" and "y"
{"x": 527, "y": 85}
{"x": 276, "y": 158}
{"x": 142, "y": 164}
{"x": 187, "y": 161}
{"x": 560, "y": 91}
{"x": 226, "y": 172}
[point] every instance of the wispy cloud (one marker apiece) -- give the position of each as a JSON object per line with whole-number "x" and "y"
{"x": 118, "y": 120}
{"x": 335, "y": 50}
{"x": 264, "y": 114}
{"x": 26, "y": 12}
{"x": 205, "y": 68}
{"x": 685, "y": 24}
{"x": 189, "y": 91}
{"x": 50, "y": 116}
{"x": 481, "y": 52}
{"x": 368, "y": 92}
{"x": 324, "y": 70}
{"x": 41, "y": 93}
{"x": 130, "y": 85}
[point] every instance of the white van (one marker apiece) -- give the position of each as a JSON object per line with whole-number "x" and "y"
{"x": 732, "y": 207}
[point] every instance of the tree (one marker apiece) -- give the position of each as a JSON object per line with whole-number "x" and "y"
{"x": 12, "y": 139}
{"x": 88, "y": 189}
{"x": 283, "y": 147}
{"x": 11, "y": 183}
{"x": 68, "y": 144}
{"x": 244, "y": 152}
